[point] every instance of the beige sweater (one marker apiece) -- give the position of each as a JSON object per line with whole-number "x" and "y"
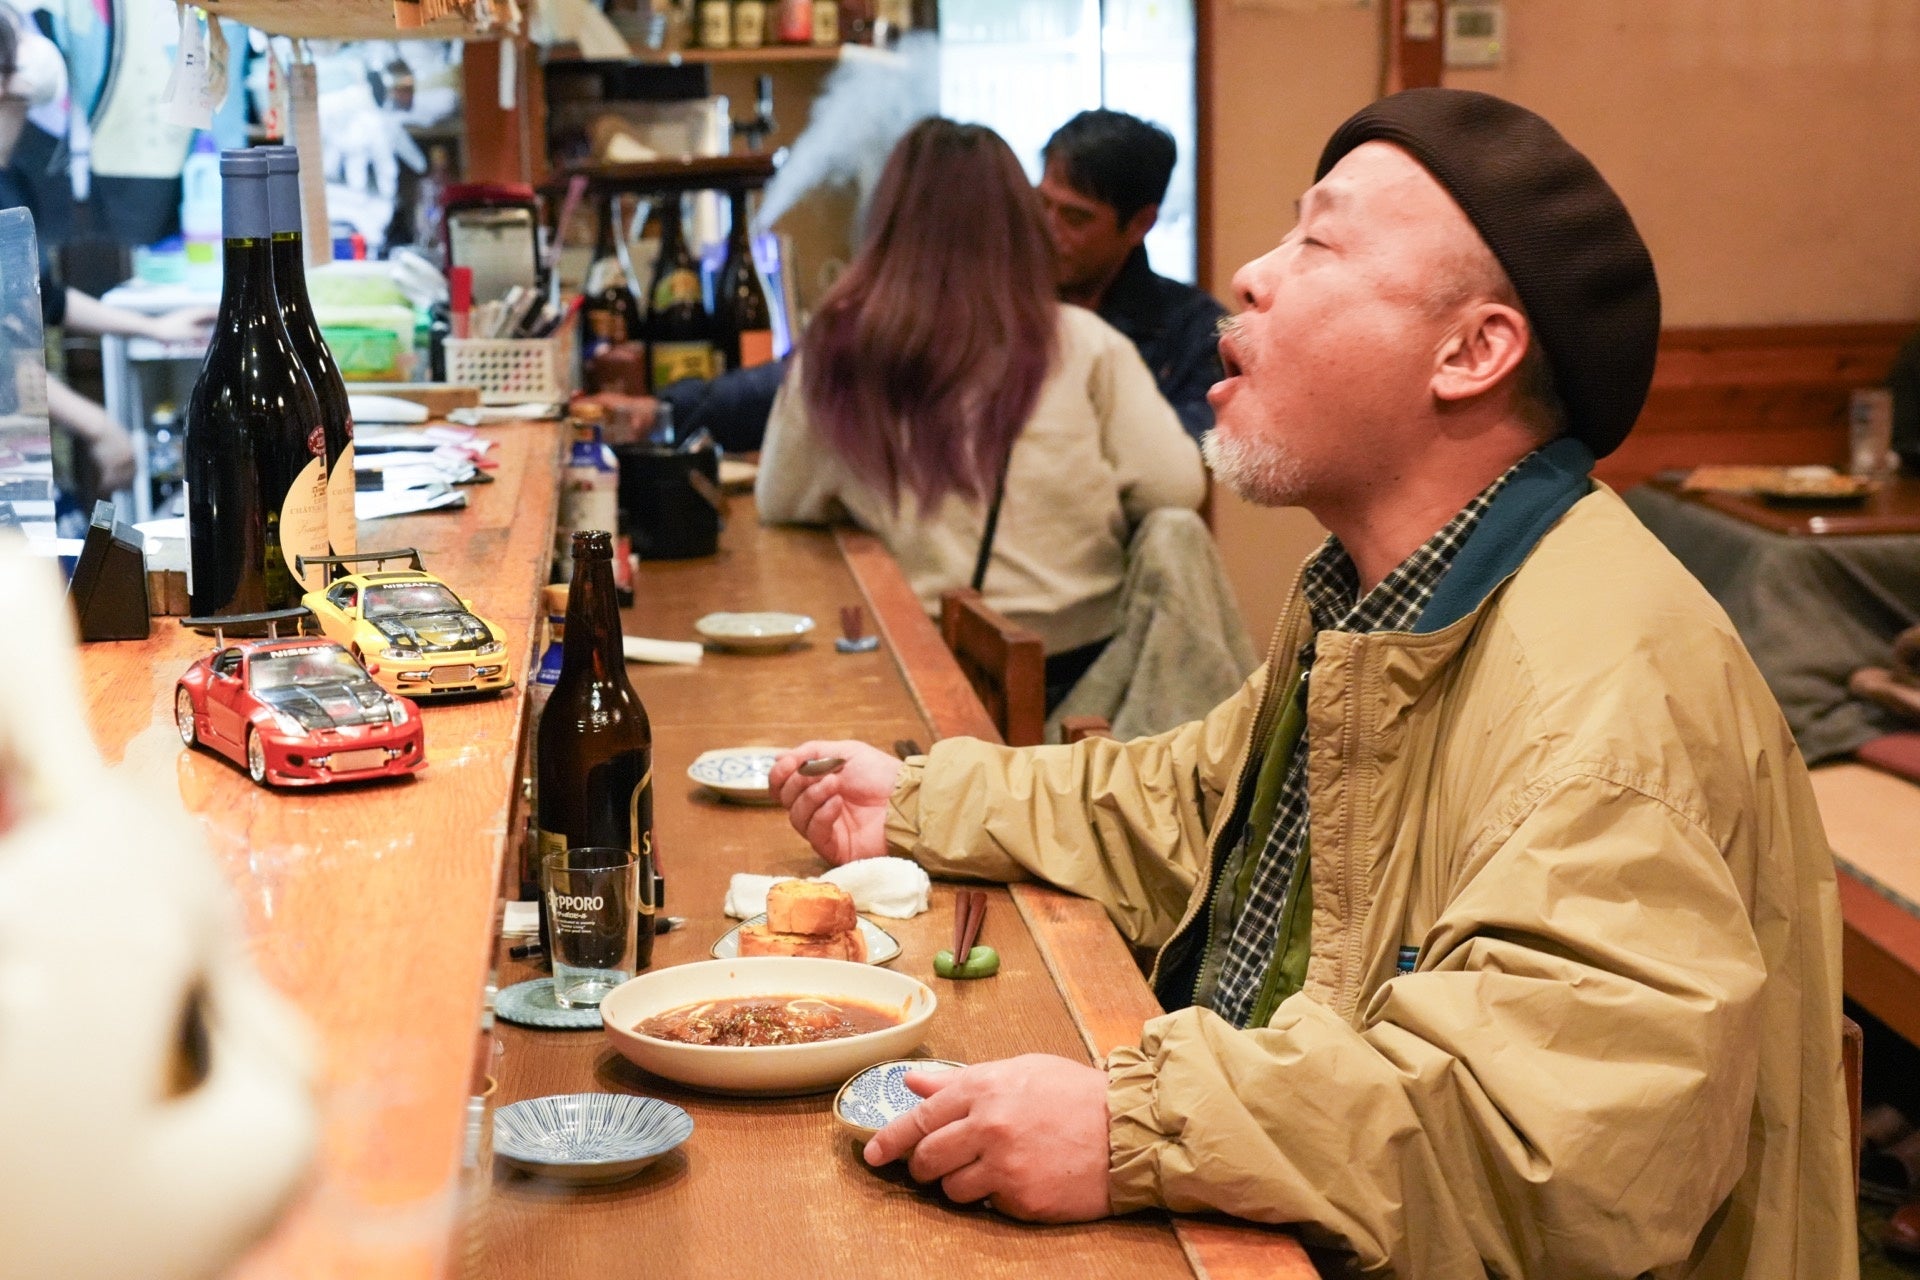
{"x": 1100, "y": 451}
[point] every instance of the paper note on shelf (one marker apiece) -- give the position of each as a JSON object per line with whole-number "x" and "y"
{"x": 376, "y": 504}
{"x": 680, "y": 652}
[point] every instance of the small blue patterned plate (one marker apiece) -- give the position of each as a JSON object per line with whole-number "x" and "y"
{"x": 588, "y": 1138}
{"x": 531, "y": 1004}
{"x": 879, "y": 1095}
{"x": 736, "y": 773}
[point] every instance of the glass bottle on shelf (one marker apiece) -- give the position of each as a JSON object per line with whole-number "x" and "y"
{"x": 826, "y": 22}
{"x": 750, "y": 23}
{"x": 716, "y": 24}
{"x": 796, "y": 21}
{"x": 609, "y": 313}
{"x": 743, "y": 322}
{"x": 679, "y": 330}
{"x": 856, "y": 21}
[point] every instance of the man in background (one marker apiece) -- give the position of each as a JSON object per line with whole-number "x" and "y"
{"x": 1106, "y": 174}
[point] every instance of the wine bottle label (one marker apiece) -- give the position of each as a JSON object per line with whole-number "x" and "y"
{"x": 343, "y": 528}
{"x": 673, "y": 361}
{"x": 675, "y": 289}
{"x": 756, "y": 347}
{"x": 303, "y": 523}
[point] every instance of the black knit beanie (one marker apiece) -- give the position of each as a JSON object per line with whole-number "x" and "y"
{"x": 1568, "y": 245}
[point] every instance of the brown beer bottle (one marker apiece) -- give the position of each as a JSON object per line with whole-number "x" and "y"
{"x": 595, "y": 784}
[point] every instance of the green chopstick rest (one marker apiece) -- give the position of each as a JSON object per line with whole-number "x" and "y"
{"x": 981, "y": 962}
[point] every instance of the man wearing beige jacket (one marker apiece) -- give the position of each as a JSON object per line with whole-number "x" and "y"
{"x": 1495, "y": 922}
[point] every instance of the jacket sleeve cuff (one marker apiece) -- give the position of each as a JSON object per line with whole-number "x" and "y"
{"x": 1134, "y": 1138}
{"x": 903, "y": 809}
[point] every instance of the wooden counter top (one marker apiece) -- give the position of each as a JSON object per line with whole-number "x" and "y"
{"x": 771, "y": 1187}
{"x": 370, "y": 906}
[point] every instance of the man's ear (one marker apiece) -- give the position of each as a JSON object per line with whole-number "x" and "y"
{"x": 1140, "y": 223}
{"x": 1488, "y": 344}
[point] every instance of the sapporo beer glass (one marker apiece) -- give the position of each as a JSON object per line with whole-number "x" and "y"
{"x": 593, "y": 901}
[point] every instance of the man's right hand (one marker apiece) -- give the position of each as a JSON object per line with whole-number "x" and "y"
{"x": 842, "y": 814}
{"x": 113, "y": 455}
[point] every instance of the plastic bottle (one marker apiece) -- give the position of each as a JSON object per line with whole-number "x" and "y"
{"x": 200, "y": 212}
{"x": 589, "y": 489}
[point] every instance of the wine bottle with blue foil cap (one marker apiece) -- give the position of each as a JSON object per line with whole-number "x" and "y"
{"x": 296, "y": 310}
{"x": 255, "y": 454}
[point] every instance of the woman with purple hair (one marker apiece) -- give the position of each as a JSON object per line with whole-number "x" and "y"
{"x": 988, "y": 434}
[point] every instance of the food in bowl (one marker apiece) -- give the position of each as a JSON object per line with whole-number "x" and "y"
{"x": 764, "y": 1020}
{"x": 773, "y": 1068}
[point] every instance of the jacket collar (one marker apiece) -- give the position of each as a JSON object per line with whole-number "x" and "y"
{"x": 1132, "y": 305}
{"x": 1543, "y": 489}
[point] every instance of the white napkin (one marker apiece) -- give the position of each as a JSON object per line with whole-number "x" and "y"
{"x": 641, "y": 649}
{"x": 891, "y": 887}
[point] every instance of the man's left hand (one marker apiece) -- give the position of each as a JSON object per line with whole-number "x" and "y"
{"x": 188, "y": 324}
{"x": 1029, "y": 1134}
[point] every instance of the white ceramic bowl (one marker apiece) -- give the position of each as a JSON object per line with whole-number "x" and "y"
{"x": 738, "y": 774}
{"x": 765, "y": 1069}
{"x": 754, "y": 632}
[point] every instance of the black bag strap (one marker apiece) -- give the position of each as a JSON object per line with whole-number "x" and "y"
{"x": 993, "y": 524}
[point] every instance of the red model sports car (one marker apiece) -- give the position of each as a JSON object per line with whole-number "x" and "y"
{"x": 297, "y": 713}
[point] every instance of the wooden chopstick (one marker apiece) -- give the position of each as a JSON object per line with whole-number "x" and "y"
{"x": 970, "y": 920}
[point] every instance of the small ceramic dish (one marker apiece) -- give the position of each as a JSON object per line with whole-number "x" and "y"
{"x": 816, "y": 1067}
{"x": 738, "y": 774}
{"x": 879, "y": 1095}
{"x": 588, "y": 1138}
{"x": 754, "y": 632}
{"x": 882, "y": 947}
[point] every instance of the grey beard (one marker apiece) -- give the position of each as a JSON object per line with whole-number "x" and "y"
{"x": 1261, "y": 470}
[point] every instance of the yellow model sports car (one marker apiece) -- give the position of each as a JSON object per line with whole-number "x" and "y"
{"x": 410, "y": 631}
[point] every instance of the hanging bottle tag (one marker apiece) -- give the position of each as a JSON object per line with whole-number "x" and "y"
{"x": 275, "y": 119}
{"x": 303, "y": 111}
{"x": 185, "y": 96}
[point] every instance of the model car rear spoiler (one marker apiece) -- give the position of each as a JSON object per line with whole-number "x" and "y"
{"x": 300, "y": 563}
{"x": 220, "y": 624}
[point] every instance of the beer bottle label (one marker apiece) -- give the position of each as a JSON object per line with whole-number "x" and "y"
{"x": 756, "y": 347}
{"x": 673, "y": 361}
{"x": 676, "y": 289}
{"x": 547, "y": 842}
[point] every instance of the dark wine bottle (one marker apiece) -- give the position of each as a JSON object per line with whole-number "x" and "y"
{"x": 595, "y": 782}
{"x": 679, "y": 330}
{"x": 255, "y": 452}
{"x": 296, "y": 310}
{"x": 609, "y": 313}
{"x": 742, "y": 319}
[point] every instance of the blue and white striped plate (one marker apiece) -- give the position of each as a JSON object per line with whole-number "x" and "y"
{"x": 738, "y": 774}
{"x": 588, "y": 1138}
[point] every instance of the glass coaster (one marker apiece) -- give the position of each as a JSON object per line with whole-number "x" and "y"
{"x": 531, "y": 1004}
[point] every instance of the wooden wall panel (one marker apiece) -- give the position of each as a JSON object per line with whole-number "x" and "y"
{"x": 1775, "y": 394}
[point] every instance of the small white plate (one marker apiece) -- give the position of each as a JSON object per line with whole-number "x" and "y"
{"x": 754, "y": 632}
{"x": 878, "y": 1096}
{"x": 738, "y": 774}
{"x": 882, "y": 948}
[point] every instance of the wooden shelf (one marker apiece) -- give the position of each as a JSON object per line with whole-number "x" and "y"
{"x": 773, "y": 53}
{"x": 686, "y": 173}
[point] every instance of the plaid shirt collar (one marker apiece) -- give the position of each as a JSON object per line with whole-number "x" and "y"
{"x": 1331, "y": 583}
